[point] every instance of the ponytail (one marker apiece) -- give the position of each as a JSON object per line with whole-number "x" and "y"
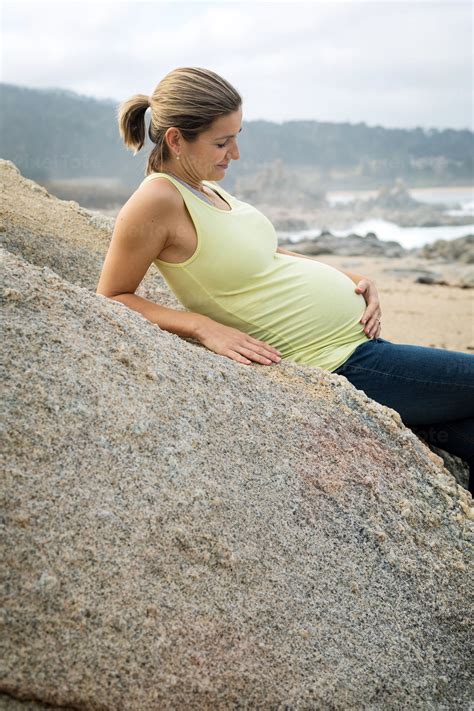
{"x": 131, "y": 121}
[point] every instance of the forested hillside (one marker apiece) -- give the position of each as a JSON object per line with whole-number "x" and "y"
{"x": 56, "y": 134}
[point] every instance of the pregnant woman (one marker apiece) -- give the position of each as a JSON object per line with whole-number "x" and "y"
{"x": 247, "y": 298}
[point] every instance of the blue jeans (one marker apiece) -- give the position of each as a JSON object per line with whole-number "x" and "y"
{"x": 431, "y": 388}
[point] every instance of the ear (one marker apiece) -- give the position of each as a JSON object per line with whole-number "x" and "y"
{"x": 173, "y": 137}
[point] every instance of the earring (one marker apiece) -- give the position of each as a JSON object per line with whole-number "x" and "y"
{"x": 177, "y": 157}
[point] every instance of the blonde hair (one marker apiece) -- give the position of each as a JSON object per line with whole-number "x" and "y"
{"x": 188, "y": 98}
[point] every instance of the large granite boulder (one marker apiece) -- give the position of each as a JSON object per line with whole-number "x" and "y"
{"x": 182, "y": 531}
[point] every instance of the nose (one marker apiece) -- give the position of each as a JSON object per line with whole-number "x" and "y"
{"x": 235, "y": 153}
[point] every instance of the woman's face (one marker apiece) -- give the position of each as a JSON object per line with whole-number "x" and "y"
{"x": 213, "y": 150}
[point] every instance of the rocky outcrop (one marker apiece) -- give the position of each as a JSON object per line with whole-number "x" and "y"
{"x": 183, "y": 531}
{"x": 353, "y": 245}
{"x": 394, "y": 197}
{"x": 275, "y": 184}
{"x": 460, "y": 250}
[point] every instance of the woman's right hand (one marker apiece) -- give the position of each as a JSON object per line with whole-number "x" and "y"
{"x": 235, "y": 344}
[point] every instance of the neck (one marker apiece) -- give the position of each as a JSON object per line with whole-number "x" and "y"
{"x": 178, "y": 172}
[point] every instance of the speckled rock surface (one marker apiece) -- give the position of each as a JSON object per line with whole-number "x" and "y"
{"x": 183, "y": 531}
{"x": 180, "y": 531}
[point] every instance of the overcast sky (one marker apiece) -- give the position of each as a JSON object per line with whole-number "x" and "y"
{"x": 395, "y": 64}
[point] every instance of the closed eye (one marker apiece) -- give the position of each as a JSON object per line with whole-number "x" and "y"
{"x": 221, "y": 145}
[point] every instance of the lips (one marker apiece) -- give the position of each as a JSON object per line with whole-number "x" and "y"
{"x": 220, "y": 165}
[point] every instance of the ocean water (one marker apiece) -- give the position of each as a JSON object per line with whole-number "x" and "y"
{"x": 456, "y": 201}
{"x": 408, "y": 237}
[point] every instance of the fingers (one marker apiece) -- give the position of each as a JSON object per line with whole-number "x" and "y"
{"x": 263, "y": 345}
{"x": 371, "y": 321}
{"x": 370, "y": 313}
{"x": 233, "y": 355}
{"x": 253, "y": 351}
{"x": 254, "y": 357}
{"x": 260, "y": 355}
{"x": 247, "y": 349}
{"x": 373, "y": 331}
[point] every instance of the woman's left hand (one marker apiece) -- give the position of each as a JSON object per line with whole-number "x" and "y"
{"x": 373, "y": 314}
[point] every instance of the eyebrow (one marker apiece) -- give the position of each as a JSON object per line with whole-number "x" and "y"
{"x": 231, "y": 135}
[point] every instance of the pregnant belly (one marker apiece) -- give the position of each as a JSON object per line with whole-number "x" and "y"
{"x": 306, "y": 305}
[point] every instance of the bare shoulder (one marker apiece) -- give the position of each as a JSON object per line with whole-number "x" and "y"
{"x": 140, "y": 234}
{"x": 154, "y": 202}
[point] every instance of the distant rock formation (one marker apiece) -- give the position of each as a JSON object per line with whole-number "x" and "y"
{"x": 352, "y": 245}
{"x": 393, "y": 197}
{"x": 276, "y": 184}
{"x": 460, "y": 249}
{"x": 183, "y": 532}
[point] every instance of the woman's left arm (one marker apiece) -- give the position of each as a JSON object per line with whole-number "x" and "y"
{"x": 365, "y": 286}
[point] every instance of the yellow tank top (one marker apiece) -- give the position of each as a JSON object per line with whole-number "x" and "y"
{"x": 308, "y": 310}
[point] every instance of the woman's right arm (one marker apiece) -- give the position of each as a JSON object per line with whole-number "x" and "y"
{"x": 139, "y": 236}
